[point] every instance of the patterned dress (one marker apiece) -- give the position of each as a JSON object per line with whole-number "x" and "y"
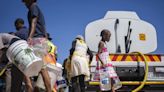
{"x": 108, "y": 67}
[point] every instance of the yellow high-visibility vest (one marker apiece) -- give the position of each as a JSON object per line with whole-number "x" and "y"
{"x": 51, "y": 47}
{"x": 50, "y": 57}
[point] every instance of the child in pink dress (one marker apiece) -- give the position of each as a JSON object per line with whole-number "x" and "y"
{"x": 105, "y": 64}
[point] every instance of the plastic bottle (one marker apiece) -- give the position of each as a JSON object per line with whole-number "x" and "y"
{"x": 61, "y": 82}
{"x": 105, "y": 82}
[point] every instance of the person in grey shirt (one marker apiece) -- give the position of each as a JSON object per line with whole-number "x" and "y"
{"x": 14, "y": 76}
{"x": 6, "y": 39}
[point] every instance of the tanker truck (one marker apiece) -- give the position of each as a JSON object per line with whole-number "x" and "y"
{"x": 131, "y": 47}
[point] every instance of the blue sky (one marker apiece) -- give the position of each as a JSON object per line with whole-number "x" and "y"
{"x": 67, "y": 18}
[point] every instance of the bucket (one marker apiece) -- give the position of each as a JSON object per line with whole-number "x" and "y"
{"x": 54, "y": 73}
{"x": 20, "y": 54}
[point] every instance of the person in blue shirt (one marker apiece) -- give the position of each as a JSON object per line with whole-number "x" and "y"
{"x": 36, "y": 20}
{"x": 37, "y": 38}
{"x": 22, "y": 31}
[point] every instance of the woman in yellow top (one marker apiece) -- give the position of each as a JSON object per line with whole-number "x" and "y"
{"x": 79, "y": 64}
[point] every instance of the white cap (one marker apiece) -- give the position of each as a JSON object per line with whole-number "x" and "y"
{"x": 80, "y": 37}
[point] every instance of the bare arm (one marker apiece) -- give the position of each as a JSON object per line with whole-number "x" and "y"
{"x": 32, "y": 31}
{"x": 101, "y": 45}
{"x": 90, "y": 55}
{"x": 33, "y": 27}
{"x": 28, "y": 83}
{"x": 72, "y": 49}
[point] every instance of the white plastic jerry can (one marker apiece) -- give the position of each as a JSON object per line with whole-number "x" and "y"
{"x": 105, "y": 82}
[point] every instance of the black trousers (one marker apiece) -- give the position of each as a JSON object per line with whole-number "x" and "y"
{"x": 16, "y": 79}
{"x": 78, "y": 83}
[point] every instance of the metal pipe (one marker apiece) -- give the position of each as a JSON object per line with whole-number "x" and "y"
{"x": 94, "y": 83}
